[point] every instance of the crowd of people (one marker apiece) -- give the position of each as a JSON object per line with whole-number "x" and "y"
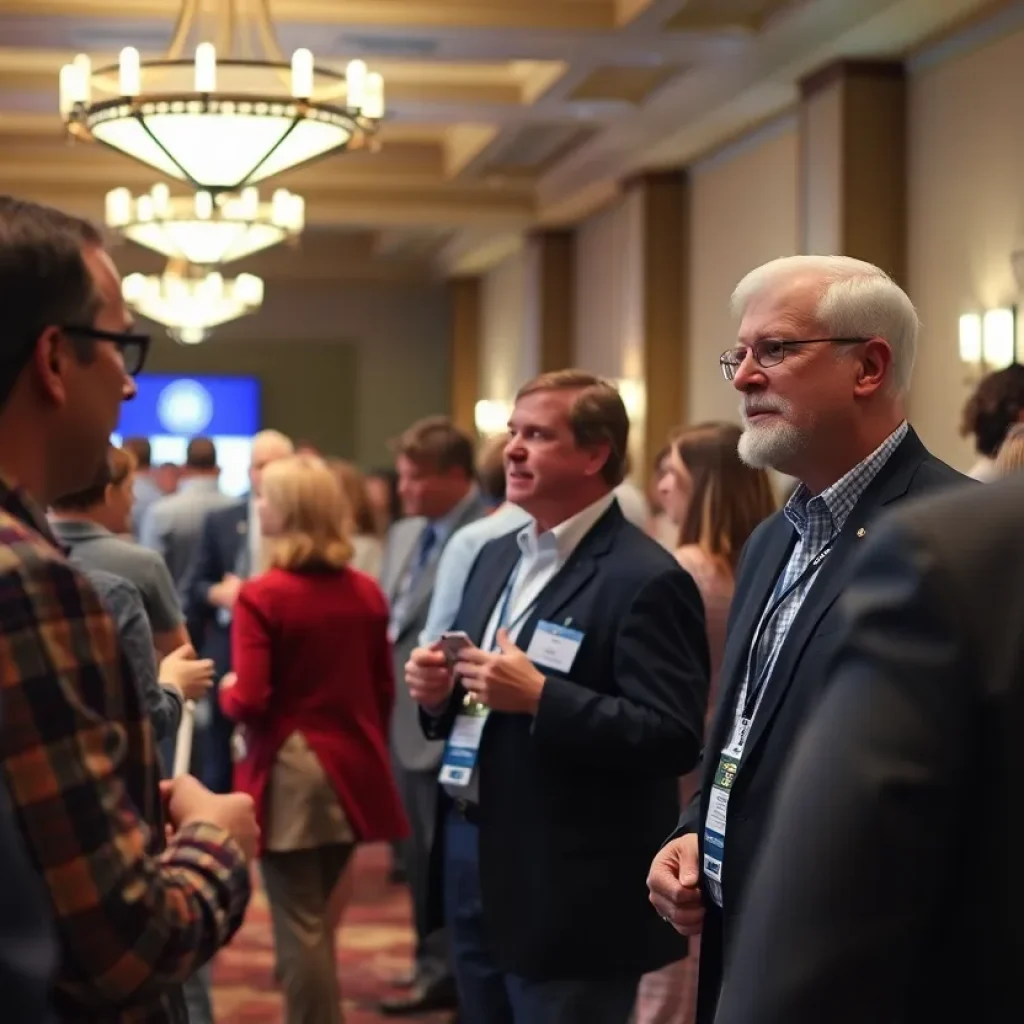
{"x": 539, "y": 684}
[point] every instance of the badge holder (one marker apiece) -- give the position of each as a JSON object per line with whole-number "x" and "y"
{"x": 463, "y": 747}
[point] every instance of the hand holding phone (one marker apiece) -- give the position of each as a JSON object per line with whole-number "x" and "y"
{"x": 453, "y": 642}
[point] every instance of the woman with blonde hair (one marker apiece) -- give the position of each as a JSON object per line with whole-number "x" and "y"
{"x": 313, "y": 689}
{"x": 368, "y": 548}
{"x": 1010, "y": 458}
{"x": 716, "y": 502}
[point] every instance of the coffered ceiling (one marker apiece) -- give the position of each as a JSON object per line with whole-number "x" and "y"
{"x": 503, "y": 114}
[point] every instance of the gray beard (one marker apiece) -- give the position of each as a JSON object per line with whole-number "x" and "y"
{"x": 764, "y": 446}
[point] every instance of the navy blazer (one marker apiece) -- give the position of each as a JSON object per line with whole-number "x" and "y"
{"x": 796, "y": 683}
{"x": 224, "y": 532}
{"x": 574, "y": 801}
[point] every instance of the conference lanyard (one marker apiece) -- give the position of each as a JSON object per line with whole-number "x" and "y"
{"x": 753, "y": 694}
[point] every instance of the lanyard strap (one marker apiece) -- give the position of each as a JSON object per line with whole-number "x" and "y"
{"x": 752, "y": 695}
{"x": 505, "y": 607}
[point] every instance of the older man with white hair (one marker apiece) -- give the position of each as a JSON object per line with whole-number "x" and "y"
{"x": 823, "y": 361}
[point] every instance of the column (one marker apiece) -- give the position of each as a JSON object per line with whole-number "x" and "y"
{"x": 853, "y": 164}
{"x": 466, "y": 330}
{"x": 551, "y": 297}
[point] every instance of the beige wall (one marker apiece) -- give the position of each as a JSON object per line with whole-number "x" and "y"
{"x": 966, "y": 199}
{"x": 744, "y": 213}
{"x": 345, "y": 366}
{"x": 508, "y": 353}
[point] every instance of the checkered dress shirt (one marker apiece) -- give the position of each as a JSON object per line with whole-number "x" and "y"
{"x": 135, "y": 916}
{"x": 817, "y": 521}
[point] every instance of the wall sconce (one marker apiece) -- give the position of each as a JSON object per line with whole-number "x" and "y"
{"x": 491, "y": 416}
{"x": 634, "y": 397}
{"x": 988, "y": 341}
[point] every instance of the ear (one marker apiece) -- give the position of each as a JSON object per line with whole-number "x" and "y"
{"x": 49, "y": 363}
{"x": 597, "y": 456}
{"x": 874, "y": 365}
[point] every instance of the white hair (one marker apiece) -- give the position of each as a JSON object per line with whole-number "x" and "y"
{"x": 858, "y": 300}
{"x": 274, "y": 440}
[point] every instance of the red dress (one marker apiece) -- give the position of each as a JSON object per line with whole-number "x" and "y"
{"x": 312, "y": 655}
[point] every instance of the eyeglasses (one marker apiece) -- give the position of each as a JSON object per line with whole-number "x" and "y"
{"x": 769, "y": 352}
{"x": 133, "y": 347}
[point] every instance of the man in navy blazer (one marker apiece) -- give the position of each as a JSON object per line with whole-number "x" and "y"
{"x": 586, "y": 680}
{"x": 824, "y": 358}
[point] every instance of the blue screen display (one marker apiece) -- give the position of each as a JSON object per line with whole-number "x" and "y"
{"x": 186, "y": 406}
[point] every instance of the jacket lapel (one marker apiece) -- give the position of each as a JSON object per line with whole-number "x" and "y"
{"x": 764, "y": 565}
{"x": 493, "y": 577}
{"x": 889, "y": 485}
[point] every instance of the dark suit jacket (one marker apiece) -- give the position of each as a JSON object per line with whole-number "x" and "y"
{"x": 798, "y": 678}
{"x": 574, "y": 801}
{"x": 891, "y": 887}
{"x": 223, "y": 534}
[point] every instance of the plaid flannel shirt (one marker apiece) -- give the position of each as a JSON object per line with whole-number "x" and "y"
{"x": 135, "y": 918}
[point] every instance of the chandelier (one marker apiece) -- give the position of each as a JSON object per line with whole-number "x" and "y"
{"x": 191, "y": 301}
{"x": 220, "y": 124}
{"x": 204, "y": 229}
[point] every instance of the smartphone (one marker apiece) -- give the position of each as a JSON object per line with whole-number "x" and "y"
{"x": 452, "y": 643}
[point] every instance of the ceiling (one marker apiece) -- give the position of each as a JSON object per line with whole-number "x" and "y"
{"x": 502, "y": 114}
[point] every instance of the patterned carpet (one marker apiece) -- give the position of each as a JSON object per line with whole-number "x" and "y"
{"x": 376, "y": 944}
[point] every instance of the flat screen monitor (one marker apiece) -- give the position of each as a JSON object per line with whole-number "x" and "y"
{"x": 170, "y": 409}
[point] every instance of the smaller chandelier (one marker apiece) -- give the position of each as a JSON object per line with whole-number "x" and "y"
{"x": 192, "y": 302}
{"x": 204, "y": 230}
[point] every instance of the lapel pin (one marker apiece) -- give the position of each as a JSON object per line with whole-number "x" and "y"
{"x": 568, "y": 621}
{"x": 861, "y": 532}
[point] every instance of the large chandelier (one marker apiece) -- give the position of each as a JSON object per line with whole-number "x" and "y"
{"x": 204, "y": 229}
{"x": 191, "y": 301}
{"x": 221, "y": 123}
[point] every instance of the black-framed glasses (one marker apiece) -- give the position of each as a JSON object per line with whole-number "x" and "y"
{"x": 769, "y": 352}
{"x": 133, "y": 346}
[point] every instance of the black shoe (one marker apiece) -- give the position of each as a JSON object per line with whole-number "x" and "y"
{"x": 440, "y": 995}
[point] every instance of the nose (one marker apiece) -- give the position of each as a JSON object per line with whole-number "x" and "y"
{"x": 514, "y": 449}
{"x": 749, "y": 374}
{"x": 129, "y": 389}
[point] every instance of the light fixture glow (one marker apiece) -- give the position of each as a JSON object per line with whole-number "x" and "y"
{"x": 221, "y": 123}
{"x": 204, "y": 230}
{"x": 491, "y": 417}
{"x": 999, "y": 338}
{"x": 634, "y": 397}
{"x": 190, "y": 304}
{"x": 970, "y": 339}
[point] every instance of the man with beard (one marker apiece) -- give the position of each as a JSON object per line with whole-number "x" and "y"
{"x": 823, "y": 361}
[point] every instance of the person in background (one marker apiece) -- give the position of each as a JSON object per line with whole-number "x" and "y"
{"x": 436, "y": 474}
{"x": 367, "y": 546}
{"x": 90, "y": 522}
{"x": 715, "y": 502}
{"x": 145, "y": 484}
{"x": 460, "y": 554}
{"x": 822, "y": 361}
{"x": 167, "y": 475}
{"x": 661, "y": 527}
{"x": 313, "y": 688}
{"x": 382, "y": 491}
{"x": 888, "y": 889}
{"x": 229, "y": 551}
{"x": 631, "y": 499}
{"x": 1011, "y": 452}
{"x": 172, "y": 525}
{"x": 996, "y": 405}
{"x": 144, "y": 885}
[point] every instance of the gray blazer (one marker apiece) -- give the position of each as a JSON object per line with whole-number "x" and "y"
{"x": 409, "y": 746}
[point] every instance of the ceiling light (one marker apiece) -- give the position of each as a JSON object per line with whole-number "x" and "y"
{"x": 202, "y": 229}
{"x": 221, "y": 123}
{"x": 191, "y": 302}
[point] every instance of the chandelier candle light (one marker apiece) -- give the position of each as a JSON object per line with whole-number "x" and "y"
{"x": 203, "y": 229}
{"x": 221, "y": 124}
{"x": 190, "y": 303}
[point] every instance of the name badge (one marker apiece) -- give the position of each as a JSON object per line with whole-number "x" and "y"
{"x": 463, "y": 748}
{"x": 715, "y": 823}
{"x": 554, "y": 647}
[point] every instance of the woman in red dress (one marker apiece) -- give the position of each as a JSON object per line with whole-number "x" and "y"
{"x": 313, "y": 690}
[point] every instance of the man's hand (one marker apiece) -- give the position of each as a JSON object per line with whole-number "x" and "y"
{"x": 674, "y": 884}
{"x": 225, "y": 593}
{"x": 429, "y": 678}
{"x": 189, "y": 802}
{"x": 191, "y": 676}
{"x": 502, "y": 680}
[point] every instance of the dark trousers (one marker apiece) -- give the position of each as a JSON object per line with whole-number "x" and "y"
{"x": 419, "y": 792}
{"x": 211, "y": 751}
{"x": 489, "y": 995}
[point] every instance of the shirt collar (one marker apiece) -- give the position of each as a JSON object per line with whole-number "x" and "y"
{"x": 445, "y": 525}
{"x": 75, "y": 530}
{"x": 838, "y": 501}
{"x": 205, "y": 484}
{"x": 563, "y": 539}
{"x": 17, "y": 503}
